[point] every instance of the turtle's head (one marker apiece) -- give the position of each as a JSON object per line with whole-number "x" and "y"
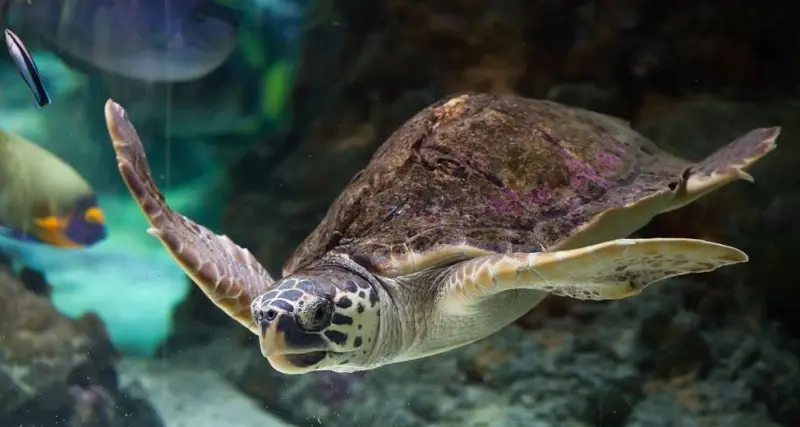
{"x": 320, "y": 320}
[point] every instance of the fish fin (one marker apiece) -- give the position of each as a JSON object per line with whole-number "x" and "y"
{"x": 94, "y": 215}
{"x": 50, "y": 222}
{"x": 52, "y": 231}
{"x": 17, "y": 235}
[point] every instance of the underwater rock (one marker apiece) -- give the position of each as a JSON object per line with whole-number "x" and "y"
{"x": 35, "y": 340}
{"x": 35, "y": 282}
{"x": 645, "y": 361}
{"x": 58, "y": 371}
{"x": 189, "y": 389}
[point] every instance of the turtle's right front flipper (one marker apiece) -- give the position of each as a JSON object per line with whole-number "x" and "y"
{"x": 610, "y": 270}
{"x": 228, "y": 274}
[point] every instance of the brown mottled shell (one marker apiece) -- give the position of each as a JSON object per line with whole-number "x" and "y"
{"x": 480, "y": 173}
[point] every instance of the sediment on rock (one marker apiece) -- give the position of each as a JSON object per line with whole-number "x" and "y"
{"x": 55, "y": 371}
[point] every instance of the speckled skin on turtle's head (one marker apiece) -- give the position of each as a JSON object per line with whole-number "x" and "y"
{"x": 464, "y": 219}
{"x": 326, "y": 317}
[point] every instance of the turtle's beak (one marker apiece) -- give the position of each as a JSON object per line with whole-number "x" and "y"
{"x": 286, "y": 360}
{"x": 293, "y": 364}
{"x": 272, "y": 341}
{"x": 284, "y": 357}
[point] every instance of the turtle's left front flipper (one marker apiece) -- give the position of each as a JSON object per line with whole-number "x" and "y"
{"x": 228, "y": 274}
{"x": 610, "y": 270}
{"x": 728, "y": 164}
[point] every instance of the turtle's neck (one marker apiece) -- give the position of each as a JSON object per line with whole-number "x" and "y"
{"x": 391, "y": 334}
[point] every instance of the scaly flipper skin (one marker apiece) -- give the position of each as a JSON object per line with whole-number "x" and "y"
{"x": 727, "y": 164}
{"x": 610, "y": 270}
{"x": 229, "y": 275}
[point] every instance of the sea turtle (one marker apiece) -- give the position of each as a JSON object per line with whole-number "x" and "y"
{"x": 464, "y": 219}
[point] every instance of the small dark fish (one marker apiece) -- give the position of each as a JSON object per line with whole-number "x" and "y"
{"x": 27, "y": 68}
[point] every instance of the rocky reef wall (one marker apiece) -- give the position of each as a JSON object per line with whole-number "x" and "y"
{"x": 55, "y": 371}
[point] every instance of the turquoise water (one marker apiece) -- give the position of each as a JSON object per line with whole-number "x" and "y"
{"x": 128, "y": 279}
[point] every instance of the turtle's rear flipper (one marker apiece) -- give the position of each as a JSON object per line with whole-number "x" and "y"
{"x": 228, "y": 274}
{"x": 727, "y": 164}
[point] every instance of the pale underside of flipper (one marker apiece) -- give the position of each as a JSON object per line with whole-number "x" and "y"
{"x": 611, "y": 270}
{"x": 228, "y": 274}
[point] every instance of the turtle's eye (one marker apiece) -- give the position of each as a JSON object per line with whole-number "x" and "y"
{"x": 317, "y": 316}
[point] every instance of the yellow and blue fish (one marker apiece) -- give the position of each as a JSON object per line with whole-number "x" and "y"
{"x": 45, "y": 200}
